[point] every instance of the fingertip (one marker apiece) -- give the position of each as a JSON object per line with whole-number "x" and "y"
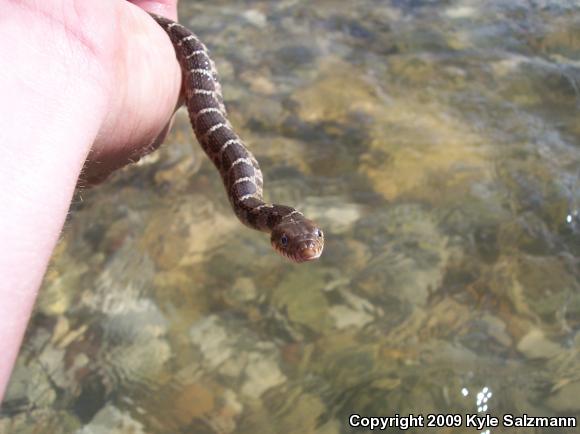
{"x": 165, "y": 8}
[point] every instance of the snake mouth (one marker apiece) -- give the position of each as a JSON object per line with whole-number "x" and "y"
{"x": 305, "y": 253}
{"x": 308, "y": 250}
{"x": 299, "y": 259}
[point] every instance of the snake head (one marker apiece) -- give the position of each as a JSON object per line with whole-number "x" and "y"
{"x": 300, "y": 239}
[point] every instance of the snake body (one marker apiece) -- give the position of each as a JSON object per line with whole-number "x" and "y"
{"x": 291, "y": 234}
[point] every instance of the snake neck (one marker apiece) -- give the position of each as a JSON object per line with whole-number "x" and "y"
{"x": 238, "y": 168}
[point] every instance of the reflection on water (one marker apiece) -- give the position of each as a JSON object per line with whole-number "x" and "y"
{"x": 437, "y": 144}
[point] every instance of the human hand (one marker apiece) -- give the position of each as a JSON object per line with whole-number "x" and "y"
{"x": 144, "y": 85}
{"x": 79, "y": 78}
{"x": 117, "y": 46}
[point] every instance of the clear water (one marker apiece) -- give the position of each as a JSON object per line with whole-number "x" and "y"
{"x": 437, "y": 142}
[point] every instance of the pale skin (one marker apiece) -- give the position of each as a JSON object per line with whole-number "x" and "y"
{"x": 79, "y": 79}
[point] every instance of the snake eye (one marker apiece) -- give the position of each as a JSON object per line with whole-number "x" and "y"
{"x": 319, "y": 233}
{"x": 284, "y": 240}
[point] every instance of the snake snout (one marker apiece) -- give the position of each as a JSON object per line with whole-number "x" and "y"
{"x": 309, "y": 250}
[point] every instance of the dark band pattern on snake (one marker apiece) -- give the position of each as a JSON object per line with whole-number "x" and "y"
{"x": 291, "y": 234}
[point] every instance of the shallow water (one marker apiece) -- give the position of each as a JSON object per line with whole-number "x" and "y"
{"x": 437, "y": 143}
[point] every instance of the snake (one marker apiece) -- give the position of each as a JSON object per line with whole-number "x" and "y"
{"x": 291, "y": 234}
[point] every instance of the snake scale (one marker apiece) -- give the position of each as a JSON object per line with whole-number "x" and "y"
{"x": 291, "y": 234}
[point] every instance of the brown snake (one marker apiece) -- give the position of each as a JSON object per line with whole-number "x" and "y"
{"x": 291, "y": 234}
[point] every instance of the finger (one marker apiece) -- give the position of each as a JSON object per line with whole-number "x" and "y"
{"x": 165, "y": 8}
